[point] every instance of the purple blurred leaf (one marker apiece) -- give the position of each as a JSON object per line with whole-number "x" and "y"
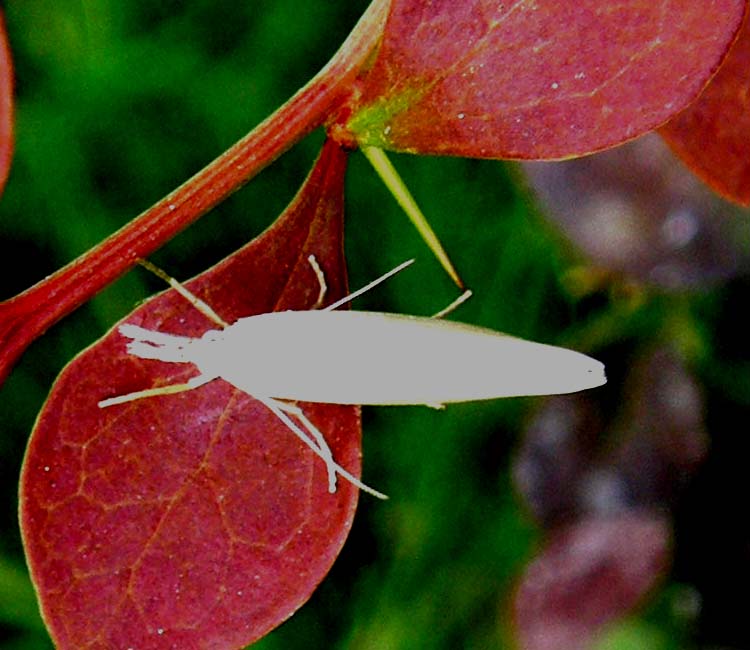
{"x": 572, "y": 464}
{"x": 602, "y": 490}
{"x": 591, "y": 573}
{"x": 638, "y": 210}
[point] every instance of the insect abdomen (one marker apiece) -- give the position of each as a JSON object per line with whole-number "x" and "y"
{"x": 376, "y": 358}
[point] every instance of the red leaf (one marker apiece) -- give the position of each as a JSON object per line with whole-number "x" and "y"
{"x": 6, "y": 104}
{"x": 713, "y": 134}
{"x": 591, "y": 572}
{"x": 543, "y": 79}
{"x": 196, "y": 520}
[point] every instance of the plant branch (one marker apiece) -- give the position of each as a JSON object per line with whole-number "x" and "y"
{"x": 30, "y": 314}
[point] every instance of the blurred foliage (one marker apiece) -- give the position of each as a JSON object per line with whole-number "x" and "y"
{"x": 118, "y": 103}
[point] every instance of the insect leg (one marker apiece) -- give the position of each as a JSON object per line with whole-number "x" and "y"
{"x": 321, "y": 280}
{"x": 456, "y": 303}
{"x": 194, "y": 300}
{"x": 323, "y": 450}
{"x": 171, "y": 389}
{"x": 368, "y": 286}
{"x": 319, "y": 273}
{"x": 318, "y": 444}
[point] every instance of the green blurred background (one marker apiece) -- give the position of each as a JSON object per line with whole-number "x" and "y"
{"x": 118, "y": 103}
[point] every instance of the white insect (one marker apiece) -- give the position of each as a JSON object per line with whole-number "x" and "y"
{"x": 351, "y": 357}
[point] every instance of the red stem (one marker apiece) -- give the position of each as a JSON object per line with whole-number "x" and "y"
{"x": 28, "y": 315}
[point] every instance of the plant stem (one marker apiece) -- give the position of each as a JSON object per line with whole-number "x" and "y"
{"x": 403, "y": 196}
{"x": 28, "y": 315}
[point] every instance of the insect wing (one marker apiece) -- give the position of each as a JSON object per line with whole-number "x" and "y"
{"x": 375, "y": 358}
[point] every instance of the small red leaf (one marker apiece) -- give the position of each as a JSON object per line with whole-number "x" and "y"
{"x": 590, "y": 573}
{"x": 195, "y": 520}
{"x": 543, "y": 79}
{"x": 6, "y": 104}
{"x": 713, "y": 134}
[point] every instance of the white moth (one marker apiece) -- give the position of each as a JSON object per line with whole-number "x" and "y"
{"x": 351, "y": 357}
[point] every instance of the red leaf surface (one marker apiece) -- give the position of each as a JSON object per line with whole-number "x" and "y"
{"x": 542, "y": 79}
{"x": 196, "y": 520}
{"x": 6, "y": 104}
{"x": 590, "y": 573}
{"x": 713, "y": 134}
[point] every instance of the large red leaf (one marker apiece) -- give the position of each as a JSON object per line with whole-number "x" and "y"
{"x": 541, "y": 79}
{"x": 6, "y": 104}
{"x": 195, "y": 520}
{"x": 713, "y": 134}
